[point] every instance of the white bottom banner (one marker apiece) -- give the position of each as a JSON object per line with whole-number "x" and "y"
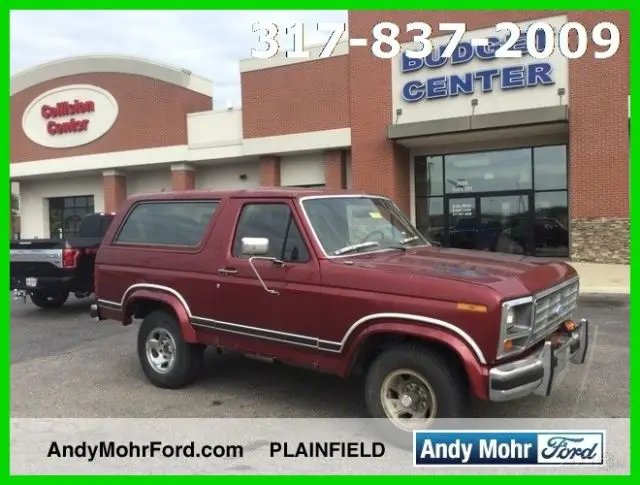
{"x": 317, "y": 446}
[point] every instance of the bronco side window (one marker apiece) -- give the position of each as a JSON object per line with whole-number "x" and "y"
{"x": 175, "y": 223}
{"x": 274, "y": 222}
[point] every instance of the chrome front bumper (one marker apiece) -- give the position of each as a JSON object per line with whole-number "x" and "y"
{"x": 542, "y": 371}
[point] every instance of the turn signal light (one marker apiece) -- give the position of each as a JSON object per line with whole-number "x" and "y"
{"x": 508, "y": 345}
{"x": 570, "y": 325}
{"x": 470, "y": 307}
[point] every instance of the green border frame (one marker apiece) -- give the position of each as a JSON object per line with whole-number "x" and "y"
{"x": 321, "y": 5}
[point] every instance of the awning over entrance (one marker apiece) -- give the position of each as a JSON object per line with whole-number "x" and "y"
{"x": 507, "y": 119}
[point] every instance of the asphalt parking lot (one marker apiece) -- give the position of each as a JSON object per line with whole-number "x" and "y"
{"x": 65, "y": 365}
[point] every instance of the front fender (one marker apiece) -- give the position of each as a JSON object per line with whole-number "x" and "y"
{"x": 181, "y": 312}
{"x": 473, "y": 361}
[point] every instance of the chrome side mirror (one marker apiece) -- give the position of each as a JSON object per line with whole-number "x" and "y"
{"x": 255, "y": 246}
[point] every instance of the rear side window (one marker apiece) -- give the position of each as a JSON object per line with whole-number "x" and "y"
{"x": 95, "y": 225}
{"x": 167, "y": 223}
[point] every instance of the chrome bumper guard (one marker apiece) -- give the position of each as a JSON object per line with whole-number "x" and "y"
{"x": 541, "y": 372}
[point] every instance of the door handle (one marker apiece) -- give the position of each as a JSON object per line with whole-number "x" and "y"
{"x": 227, "y": 271}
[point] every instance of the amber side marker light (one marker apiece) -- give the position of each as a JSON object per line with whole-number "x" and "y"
{"x": 470, "y": 307}
{"x": 508, "y": 345}
{"x": 570, "y": 325}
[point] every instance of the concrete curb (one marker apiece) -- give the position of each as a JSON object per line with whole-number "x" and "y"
{"x": 604, "y": 290}
{"x": 611, "y": 295}
{"x": 604, "y": 299}
{"x": 604, "y": 278}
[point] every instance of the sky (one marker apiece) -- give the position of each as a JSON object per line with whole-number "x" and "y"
{"x": 208, "y": 43}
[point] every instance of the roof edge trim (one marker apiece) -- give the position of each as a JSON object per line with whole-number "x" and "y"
{"x": 91, "y": 64}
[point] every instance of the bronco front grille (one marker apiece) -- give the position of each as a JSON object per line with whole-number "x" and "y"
{"x": 553, "y": 306}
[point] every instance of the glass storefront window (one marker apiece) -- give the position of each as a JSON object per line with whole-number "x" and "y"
{"x": 504, "y": 224}
{"x": 488, "y": 171}
{"x": 428, "y": 176}
{"x": 512, "y": 201}
{"x": 550, "y": 167}
{"x": 551, "y": 227}
{"x": 430, "y": 218}
{"x": 65, "y": 214}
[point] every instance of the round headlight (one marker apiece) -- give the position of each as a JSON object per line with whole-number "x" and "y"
{"x": 510, "y": 318}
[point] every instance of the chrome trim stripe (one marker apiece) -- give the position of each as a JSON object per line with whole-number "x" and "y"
{"x": 257, "y": 331}
{"x": 415, "y": 318}
{"x": 109, "y": 304}
{"x": 297, "y": 339}
{"x": 281, "y": 337}
{"x": 51, "y": 256}
{"x": 518, "y": 301}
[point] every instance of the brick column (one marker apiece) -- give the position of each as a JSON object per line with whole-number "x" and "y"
{"x": 183, "y": 177}
{"x": 114, "y": 185}
{"x": 335, "y": 175}
{"x": 270, "y": 171}
{"x": 599, "y": 149}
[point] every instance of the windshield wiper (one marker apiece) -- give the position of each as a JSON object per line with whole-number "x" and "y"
{"x": 407, "y": 240}
{"x": 355, "y": 247}
{"x": 402, "y": 245}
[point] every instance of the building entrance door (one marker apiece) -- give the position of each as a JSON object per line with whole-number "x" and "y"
{"x": 496, "y": 221}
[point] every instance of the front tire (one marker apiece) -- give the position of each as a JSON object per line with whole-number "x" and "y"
{"x": 407, "y": 388}
{"x": 49, "y": 301}
{"x": 167, "y": 360}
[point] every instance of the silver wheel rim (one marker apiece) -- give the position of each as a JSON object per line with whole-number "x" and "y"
{"x": 161, "y": 350}
{"x": 408, "y": 400}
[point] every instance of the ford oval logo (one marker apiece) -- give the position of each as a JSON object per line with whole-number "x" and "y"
{"x": 557, "y": 310}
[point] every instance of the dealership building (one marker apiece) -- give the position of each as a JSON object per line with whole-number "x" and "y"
{"x": 526, "y": 155}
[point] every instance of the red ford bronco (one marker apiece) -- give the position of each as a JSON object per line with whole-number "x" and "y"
{"x": 340, "y": 282}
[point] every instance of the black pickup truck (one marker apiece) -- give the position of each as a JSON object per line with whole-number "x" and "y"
{"x": 48, "y": 270}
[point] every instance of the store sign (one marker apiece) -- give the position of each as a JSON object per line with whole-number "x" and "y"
{"x": 70, "y": 116}
{"x": 62, "y": 111}
{"x": 487, "y": 79}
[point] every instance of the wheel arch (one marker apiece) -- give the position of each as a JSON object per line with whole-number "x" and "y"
{"x": 364, "y": 346}
{"x": 142, "y": 300}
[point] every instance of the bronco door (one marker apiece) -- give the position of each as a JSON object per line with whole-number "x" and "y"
{"x": 264, "y": 299}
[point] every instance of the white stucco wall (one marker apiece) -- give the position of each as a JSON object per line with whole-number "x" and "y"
{"x": 214, "y": 128}
{"x": 306, "y": 169}
{"x": 146, "y": 181}
{"x": 34, "y": 204}
{"x": 227, "y": 176}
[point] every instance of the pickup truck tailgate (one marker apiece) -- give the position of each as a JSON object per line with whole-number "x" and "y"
{"x": 36, "y": 261}
{"x": 40, "y": 259}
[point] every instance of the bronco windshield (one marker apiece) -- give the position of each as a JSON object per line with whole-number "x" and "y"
{"x": 359, "y": 224}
